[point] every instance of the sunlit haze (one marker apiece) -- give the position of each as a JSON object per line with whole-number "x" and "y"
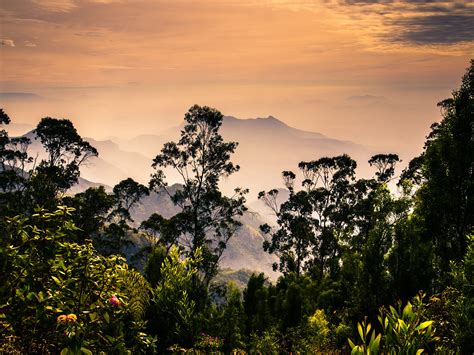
{"x": 366, "y": 71}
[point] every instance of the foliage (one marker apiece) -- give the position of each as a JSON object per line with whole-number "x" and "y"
{"x": 370, "y": 340}
{"x": 66, "y": 151}
{"x": 346, "y": 249}
{"x": 208, "y": 343}
{"x": 61, "y": 295}
{"x": 172, "y": 313}
{"x": 313, "y": 336}
{"x": 463, "y": 313}
{"x": 319, "y": 326}
{"x": 404, "y": 331}
{"x": 265, "y": 343}
{"x": 445, "y": 199}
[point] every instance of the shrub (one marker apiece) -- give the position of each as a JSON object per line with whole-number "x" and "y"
{"x": 59, "y": 296}
{"x": 266, "y": 343}
{"x": 404, "y": 331}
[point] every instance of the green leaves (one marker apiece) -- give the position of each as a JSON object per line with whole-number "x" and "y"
{"x": 63, "y": 290}
{"x": 404, "y": 332}
{"x": 370, "y": 340}
{"x": 424, "y": 325}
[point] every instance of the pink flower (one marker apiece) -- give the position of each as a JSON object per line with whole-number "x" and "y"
{"x": 114, "y": 301}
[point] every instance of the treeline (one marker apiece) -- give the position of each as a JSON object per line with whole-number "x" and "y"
{"x": 363, "y": 269}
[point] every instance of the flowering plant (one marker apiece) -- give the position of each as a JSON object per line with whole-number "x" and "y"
{"x": 53, "y": 276}
{"x": 209, "y": 343}
{"x": 114, "y": 301}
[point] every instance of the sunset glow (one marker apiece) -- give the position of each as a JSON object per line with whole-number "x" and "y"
{"x": 368, "y": 71}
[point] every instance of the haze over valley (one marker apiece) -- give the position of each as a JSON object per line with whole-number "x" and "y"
{"x": 266, "y": 147}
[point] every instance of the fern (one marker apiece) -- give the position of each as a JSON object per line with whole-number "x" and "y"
{"x": 138, "y": 291}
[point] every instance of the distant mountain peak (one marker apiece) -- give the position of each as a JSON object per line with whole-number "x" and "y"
{"x": 269, "y": 123}
{"x": 270, "y": 120}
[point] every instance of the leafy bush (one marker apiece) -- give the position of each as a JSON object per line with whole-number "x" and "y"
{"x": 463, "y": 313}
{"x": 370, "y": 340}
{"x": 313, "y": 336}
{"x": 208, "y": 343}
{"x": 172, "y": 313}
{"x": 404, "y": 331}
{"x": 266, "y": 343}
{"x": 61, "y": 296}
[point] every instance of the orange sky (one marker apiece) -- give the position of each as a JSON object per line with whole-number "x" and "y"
{"x": 364, "y": 70}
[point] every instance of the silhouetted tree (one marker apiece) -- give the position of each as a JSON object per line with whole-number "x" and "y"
{"x": 91, "y": 210}
{"x": 445, "y": 199}
{"x": 385, "y": 164}
{"x": 312, "y": 220}
{"x": 201, "y": 158}
{"x": 66, "y": 152}
{"x": 126, "y": 194}
{"x": 14, "y": 159}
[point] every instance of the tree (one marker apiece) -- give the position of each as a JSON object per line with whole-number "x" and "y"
{"x": 201, "y": 158}
{"x": 463, "y": 275}
{"x": 13, "y": 176}
{"x": 255, "y": 297}
{"x": 91, "y": 210}
{"x": 66, "y": 151}
{"x": 126, "y": 194}
{"x": 385, "y": 164}
{"x": 444, "y": 202}
{"x": 313, "y": 220}
{"x": 295, "y": 236}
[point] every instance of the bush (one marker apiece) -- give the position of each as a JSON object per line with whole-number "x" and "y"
{"x": 404, "y": 331}
{"x": 266, "y": 343}
{"x": 60, "y": 296}
{"x": 172, "y": 314}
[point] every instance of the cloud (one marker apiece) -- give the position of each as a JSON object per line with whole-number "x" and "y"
{"x": 7, "y": 42}
{"x": 436, "y": 29}
{"x": 416, "y": 22}
{"x": 56, "y": 5}
{"x": 19, "y": 96}
{"x": 37, "y": 7}
{"x": 29, "y": 44}
{"x": 104, "y": 1}
{"x": 365, "y": 98}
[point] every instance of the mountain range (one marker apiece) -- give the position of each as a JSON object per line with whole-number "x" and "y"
{"x": 266, "y": 147}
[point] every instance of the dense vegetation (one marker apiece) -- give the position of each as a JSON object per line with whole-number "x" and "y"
{"x": 380, "y": 265}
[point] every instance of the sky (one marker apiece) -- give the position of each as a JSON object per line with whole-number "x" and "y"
{"x": 369, "y": 71}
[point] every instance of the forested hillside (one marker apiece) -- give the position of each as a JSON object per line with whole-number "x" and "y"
{"x": 366, "y": 265}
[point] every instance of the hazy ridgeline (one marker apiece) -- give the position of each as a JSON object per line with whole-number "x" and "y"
{"x": 140, "y": 267}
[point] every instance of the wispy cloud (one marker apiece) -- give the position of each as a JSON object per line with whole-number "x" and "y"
{"x": 365, "y": 98}
{"x": 19, "y": 96}
{"x": 29, "y": 44}
{"x": 56, "y": 5}
{"x": 7, "y": 42}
